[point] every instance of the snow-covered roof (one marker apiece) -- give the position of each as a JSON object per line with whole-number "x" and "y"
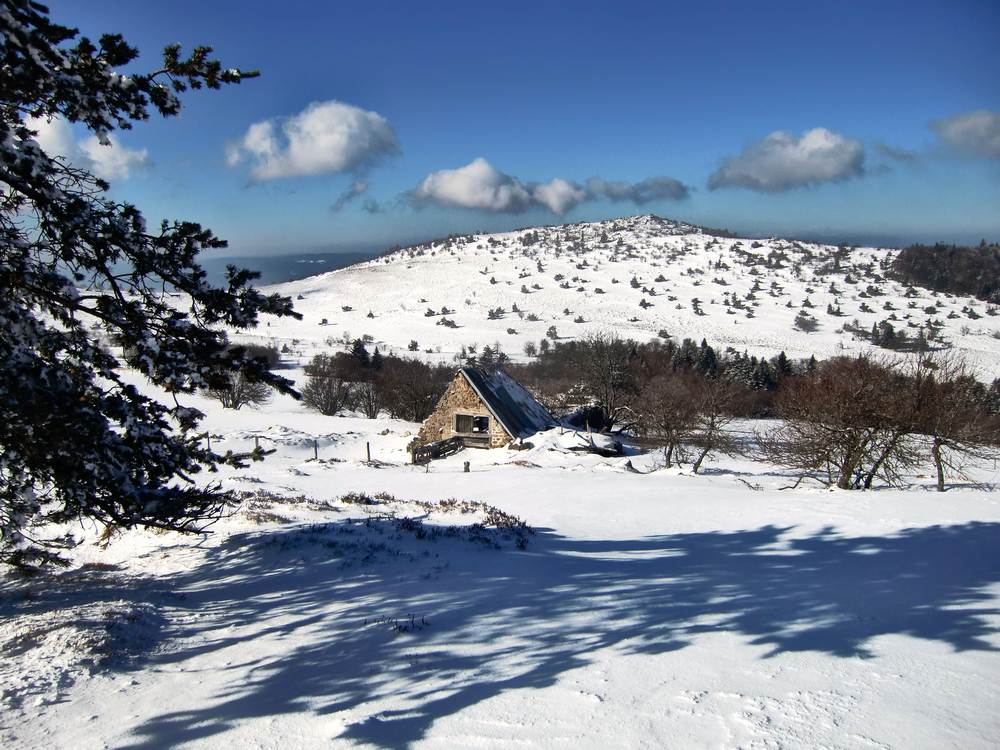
{"x": 509, "y": 401}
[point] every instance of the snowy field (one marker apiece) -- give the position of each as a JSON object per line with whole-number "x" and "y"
{"x": 652, "y": 609}
{"x": 344, "y": 602}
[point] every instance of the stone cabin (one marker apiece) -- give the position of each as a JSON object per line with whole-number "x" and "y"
{"x": 486, "y": 410}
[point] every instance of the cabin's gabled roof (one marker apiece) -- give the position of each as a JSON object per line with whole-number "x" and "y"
{"x": 516, "y": 409}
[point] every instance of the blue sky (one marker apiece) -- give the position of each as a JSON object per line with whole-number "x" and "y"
{"x": 797, "y": 118}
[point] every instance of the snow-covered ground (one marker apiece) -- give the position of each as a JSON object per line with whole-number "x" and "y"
{"x": 748, "y": 294}
{"x": 346, "y": 602}
{"x": 649, "y": 609}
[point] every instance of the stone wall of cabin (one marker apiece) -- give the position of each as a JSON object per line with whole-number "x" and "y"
{"x": 459, "y": 398}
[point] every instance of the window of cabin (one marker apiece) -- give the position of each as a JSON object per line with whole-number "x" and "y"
{"x": 469, "y": 424}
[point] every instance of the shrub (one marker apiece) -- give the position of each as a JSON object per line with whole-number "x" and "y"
{"x": 326, "y": 390}
{"x": 410, "y": 389}
{"x": 805, "y": 322}
{"x": 240, "y": 391}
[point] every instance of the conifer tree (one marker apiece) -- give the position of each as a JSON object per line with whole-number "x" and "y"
{"x": 782, "y": 366}
{"x": 708, "y": 362}
{"x": 77, "y": 441}
{"x": 360, "y": 353}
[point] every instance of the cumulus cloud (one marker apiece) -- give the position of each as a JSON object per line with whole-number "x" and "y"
{"x": 782, "y": 162}
{"x": 558, "y": 195}
{"x": 477, "y": 185}
{"x": 325, "y": 137}
{"x": 481, "y": 186}
{"x": 639, "y": 193}
{"x": 110, "y": 161}
{"x": 976, "y": 132}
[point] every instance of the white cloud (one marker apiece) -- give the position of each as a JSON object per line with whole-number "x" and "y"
{"x": 259, "y": 142}
{"x": 559, "y": 196}
{"x": 54, "y": 136}
{"x": 325, "y": 137}
{"x": 113, "y": 161}
{"x": 109, "y": 162}
{"x": 480, "y": 186}
{"x": 477, "y": 185}
{"x": 782, "y": 162}
{"x": 976, "y": 132}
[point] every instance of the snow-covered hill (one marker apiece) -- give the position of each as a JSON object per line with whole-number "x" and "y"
{"x": 637, "y": 276}
{"x": 649, "y": 608}
{"x": 345, "y": 602}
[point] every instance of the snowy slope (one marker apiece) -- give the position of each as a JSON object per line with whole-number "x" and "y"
{"x": 586, "y": 271}
{"x": 647, "y": 609}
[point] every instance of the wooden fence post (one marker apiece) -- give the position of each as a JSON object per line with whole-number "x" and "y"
{"x": 315, "y": 451}
{"x": 368, "y": 449}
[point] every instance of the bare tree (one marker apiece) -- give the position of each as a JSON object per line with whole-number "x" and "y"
{"x": 669, "y": 412}
{"x": 603, "y": 361}
{"x": 956, "y": 421}
{"x": 240, "y": 391}
{"x": 843, "y": 419}
{"x": 864, "y": 418}
{"x": 325, "y": 389}
{"x": 898, "y": 402}
{"x": 715, "y": 404}
{"x": 367, "y": 397}
{"x": 410, "y": 389}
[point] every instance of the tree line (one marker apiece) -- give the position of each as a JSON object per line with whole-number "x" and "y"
{"x": 858, "y": 419}
{"x": 847, "y": 421}
{"x": 954, "y": 269}
{"x": 403, "y": 387}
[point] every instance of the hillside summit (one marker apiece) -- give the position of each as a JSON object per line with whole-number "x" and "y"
{"x": 642, "y": 277}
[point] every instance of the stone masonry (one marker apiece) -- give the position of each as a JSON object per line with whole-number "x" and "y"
{"x": 460, "y": 398}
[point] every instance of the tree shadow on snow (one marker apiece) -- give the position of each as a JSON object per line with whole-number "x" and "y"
{"x": 504, "y": 620}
